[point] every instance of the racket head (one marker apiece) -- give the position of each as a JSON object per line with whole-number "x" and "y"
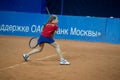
{"x": 33, "y": 42}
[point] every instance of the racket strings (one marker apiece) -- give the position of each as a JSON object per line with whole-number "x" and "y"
{"x": 33, "y": 42}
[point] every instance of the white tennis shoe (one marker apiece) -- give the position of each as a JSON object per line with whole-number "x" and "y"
{"x": 26, "y": 57}
{"x": 64, "y": 62}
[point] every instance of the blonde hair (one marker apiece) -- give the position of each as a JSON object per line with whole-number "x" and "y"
{"x": 51, "y": 18}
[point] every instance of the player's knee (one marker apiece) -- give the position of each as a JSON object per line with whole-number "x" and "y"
{"x": 57, "y": 46}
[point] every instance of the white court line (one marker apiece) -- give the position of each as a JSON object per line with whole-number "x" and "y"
{"x": 45, "y": 57}
{"x": 16, "y": 65}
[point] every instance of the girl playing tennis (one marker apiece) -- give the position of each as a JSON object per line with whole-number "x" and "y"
{"x": 46, "y": 36}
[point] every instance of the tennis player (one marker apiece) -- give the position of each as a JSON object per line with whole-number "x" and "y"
{"x": 46, "y": 36}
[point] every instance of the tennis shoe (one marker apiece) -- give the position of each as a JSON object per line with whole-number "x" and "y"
{"x": 26, "y": 57}
{"x": 64, "y": 62}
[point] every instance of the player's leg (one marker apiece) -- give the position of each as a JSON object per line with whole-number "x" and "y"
{"x": 36, "y": 50}
{"x": 62, "y": 60}
{"x": 56, "y": 45}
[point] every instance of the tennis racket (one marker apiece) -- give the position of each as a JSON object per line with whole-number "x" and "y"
{"x": 33, "y": 42}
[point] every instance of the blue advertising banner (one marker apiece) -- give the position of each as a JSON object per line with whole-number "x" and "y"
{"x": 82, "y": 28}
{"x": 70, "y": 27}
{"x": 113, "y": 30}
{"x": 21, "y": 24}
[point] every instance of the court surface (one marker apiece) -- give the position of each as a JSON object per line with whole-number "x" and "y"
{"x": 89, "y": 61}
